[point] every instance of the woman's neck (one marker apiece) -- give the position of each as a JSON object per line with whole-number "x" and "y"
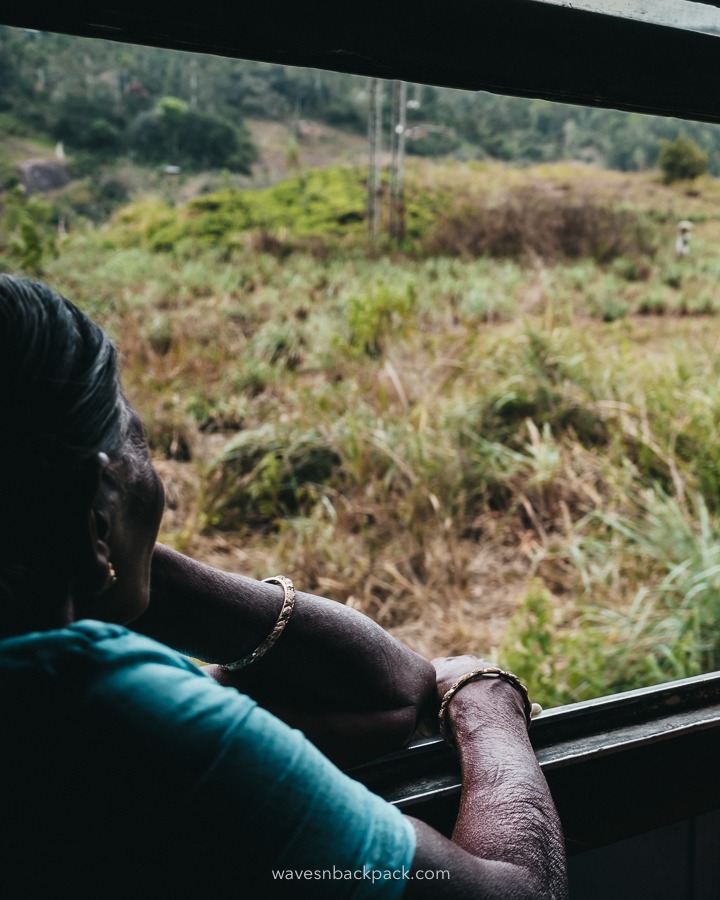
{"x": 35, "y": 613}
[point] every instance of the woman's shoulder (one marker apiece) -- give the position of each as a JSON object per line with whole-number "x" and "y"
{"x": 85, "y": 645}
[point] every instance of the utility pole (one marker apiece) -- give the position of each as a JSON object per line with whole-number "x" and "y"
{"x": 193, "y": 83}
{"x": 397, "y": 165}
{"x": 374, "y": 156}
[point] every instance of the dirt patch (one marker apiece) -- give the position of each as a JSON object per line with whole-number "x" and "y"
{"x": 287, "y": 148}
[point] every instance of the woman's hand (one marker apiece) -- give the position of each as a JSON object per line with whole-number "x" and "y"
{"x": 449, "y": 668}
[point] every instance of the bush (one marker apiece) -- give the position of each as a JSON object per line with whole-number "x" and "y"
{"x": 373, "y": 317}
{"x": 89, "y": 125}
{"x": 681, "y": 160}
{"x": 534, "y": 222}
{"x": 173, "y": 133}
{"x": 27, "y": 232}
{"x": 263, "y": 476}
{"x": 316, "y": 204}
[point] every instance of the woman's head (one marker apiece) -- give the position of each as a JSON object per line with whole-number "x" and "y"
{"x": 71, "y": 446}
{"x": 61, "y": 396}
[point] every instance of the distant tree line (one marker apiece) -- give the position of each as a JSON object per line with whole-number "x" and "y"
{"x": 189, "y": 109}
{"x": 108, "y": 100}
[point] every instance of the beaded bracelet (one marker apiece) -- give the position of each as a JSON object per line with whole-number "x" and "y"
{"x": 278, "y": 628}
{"x": 531, "y": 709}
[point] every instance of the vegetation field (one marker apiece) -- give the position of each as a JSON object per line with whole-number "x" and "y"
{"x": 501, "y": 436}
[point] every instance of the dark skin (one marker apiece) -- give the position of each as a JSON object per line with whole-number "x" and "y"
{"x": 359, "y": 693}
{"x": 354, "y": 689}
{"x": 507, "y": 843}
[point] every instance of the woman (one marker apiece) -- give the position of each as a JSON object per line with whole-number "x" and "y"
{"x": 127, "y": 771}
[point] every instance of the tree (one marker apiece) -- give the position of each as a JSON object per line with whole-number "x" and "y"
{"x": 681, "y": 159}
{"x": 173, "y": 133}
{"x": 91, "y": 125}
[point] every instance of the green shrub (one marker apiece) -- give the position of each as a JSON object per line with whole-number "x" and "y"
{"x": 173, "y": 133}
{"x": 653, "y": 305}
{"x": 558, "y": 664}
{"x": 268, "y": 473}
{"x": 610, "y": 309}
{"x": 91, "y": 125}
{"x": 632, "y": 269}
{"x": 681, "y": 160}
{"x": 373, "y": 317}
{"x": 680, "y": 612}
{"x": 29, "y": 232}
{"x": 672, "y": 276}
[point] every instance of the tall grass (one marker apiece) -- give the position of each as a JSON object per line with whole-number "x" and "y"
{"x": 516, "y": 456}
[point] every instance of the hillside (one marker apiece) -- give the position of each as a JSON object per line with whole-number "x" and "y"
{"x": 109, "y": 101}
{"x": 504, "y": 445}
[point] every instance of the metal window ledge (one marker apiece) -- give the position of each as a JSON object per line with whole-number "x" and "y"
{"x": 617, "y": 766}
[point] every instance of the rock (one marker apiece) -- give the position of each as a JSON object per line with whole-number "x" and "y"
{"x": 39, "y": 175}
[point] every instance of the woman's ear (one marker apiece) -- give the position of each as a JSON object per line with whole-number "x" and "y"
{"x": 94, "y": 566}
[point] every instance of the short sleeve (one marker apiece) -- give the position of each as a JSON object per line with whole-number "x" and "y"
{"x": 243, "y": 802}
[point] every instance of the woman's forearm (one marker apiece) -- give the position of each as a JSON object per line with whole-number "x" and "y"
{"x": 330, "y": 658}
{"x": 506, "y": 811}
{"x": 507, "y": 843}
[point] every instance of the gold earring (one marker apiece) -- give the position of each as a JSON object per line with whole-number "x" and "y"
{"x": 112, "y": 574}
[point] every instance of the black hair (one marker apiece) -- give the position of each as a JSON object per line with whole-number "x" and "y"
{"x": 60, "y": 404}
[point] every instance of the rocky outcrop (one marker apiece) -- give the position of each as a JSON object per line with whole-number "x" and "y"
{"x": 39, "y": 175}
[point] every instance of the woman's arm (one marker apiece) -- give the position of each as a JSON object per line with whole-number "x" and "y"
{"x": 353, "y": 689}
{"x": 507, "y": 841}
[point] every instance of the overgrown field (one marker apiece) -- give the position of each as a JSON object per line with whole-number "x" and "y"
{"x": 503, "y": 438}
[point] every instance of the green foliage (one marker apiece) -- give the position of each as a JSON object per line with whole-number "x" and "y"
{"x": 668, "y": 630}
{"x": 672, "y": 276}
{"x": 544, "y": 389}
{"x": 172, "y": 110}
{"x": 609, "y": 309}
{"x": 122, "y": 80}
{"x": 318, "y": 202}
{"x": 280, "y": 343}
{"x": 91, "y": 125}
{"x": 30, "y": 230}
{"x": 681, "y": 160}
{"x": 485, "y": 305}
{"x": 633, "y": 269}
{"x": 558, "y": 665}
{"x": 174, "y": 133}
{"x": 372, "y": 318}
{"x": 8, "y": 173}
{"x": 684, "y": 540}
{"x": 266, "y": 474}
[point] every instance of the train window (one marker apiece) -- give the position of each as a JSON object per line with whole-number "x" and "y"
{"x": 490, "y": 420}
{"x": 690, "y": 16}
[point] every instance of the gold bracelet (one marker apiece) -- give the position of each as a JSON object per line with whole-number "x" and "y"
{"x": 278, "y": 628}
{"x": 531, "y": 709}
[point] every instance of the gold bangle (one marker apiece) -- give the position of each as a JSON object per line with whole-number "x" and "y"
{"x": 278, "y": 628}
{"x": 531, "y": 709}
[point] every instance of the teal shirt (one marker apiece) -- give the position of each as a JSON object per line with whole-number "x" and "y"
{"x": 128, "y": 773}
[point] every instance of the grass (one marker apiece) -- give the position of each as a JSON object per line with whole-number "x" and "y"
{"x": 514, "y": 456}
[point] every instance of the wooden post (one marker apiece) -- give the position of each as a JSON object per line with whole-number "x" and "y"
{"x": 374, "y": 156}
{"x": 372, "y": 88}
{"x": 397, "y": 171}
